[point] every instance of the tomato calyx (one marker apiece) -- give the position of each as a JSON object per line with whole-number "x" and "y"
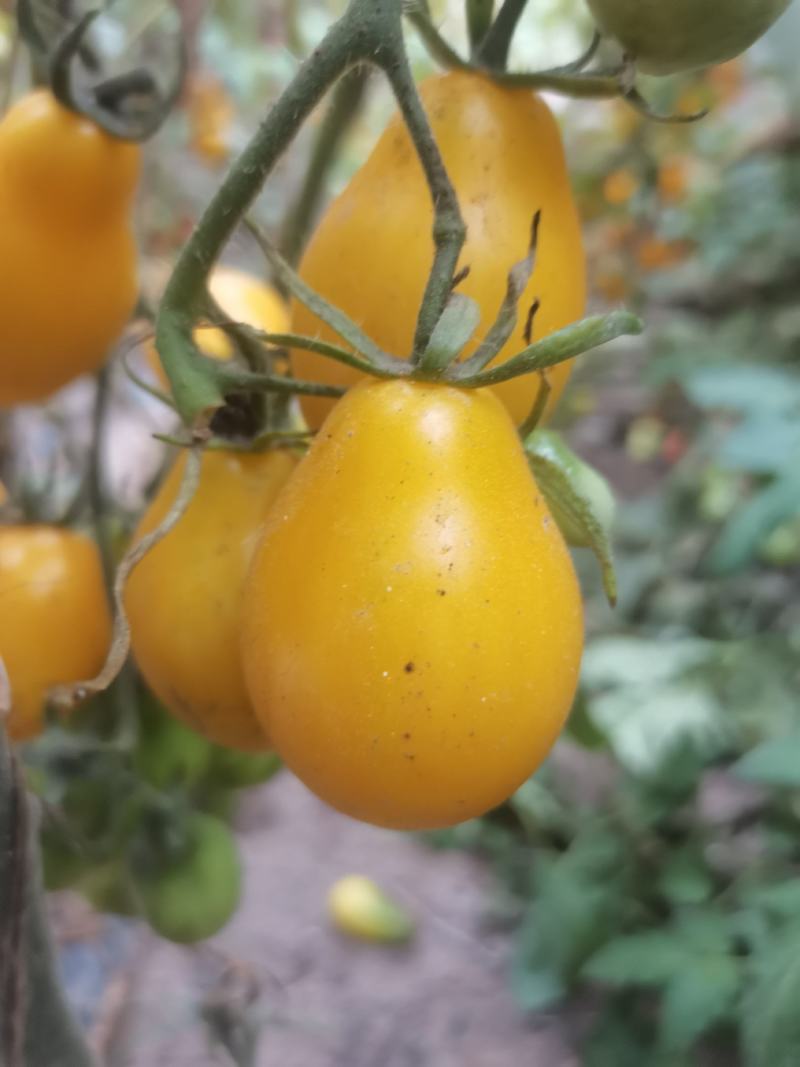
{"x": 439, "y": 360}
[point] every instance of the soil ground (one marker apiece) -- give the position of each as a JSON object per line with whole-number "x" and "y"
{"x": 324, "y": 1000}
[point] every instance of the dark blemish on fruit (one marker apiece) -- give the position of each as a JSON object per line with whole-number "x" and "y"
{"x": 409, "y": 756}
{"x": 406, "y": 737}
{"x": 409, "y": 667}
{"x": 472, "y": 733}
{"x": 442, "y": 592}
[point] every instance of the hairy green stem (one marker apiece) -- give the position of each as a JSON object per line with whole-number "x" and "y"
{"x": 94, "y": 472}
{"x": 449, "y": 230}
{"x": 479, "y": 19}
{"x": 493, "y": 52}
{"x": 345, "y": 106}
{"x": 593, "y": 86}
{"x": 370, "y": 31}
{"x": 67, "y": 696}
{"x": 235, "y": 378}
{"x": 37, "y": 1027}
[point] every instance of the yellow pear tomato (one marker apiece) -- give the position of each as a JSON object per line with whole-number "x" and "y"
{"x": 184, "y": 598}
{"x": 244, "y": 298}
{"x": 412, "y": 624}
{"x": 68, "y": 277}
{"x": 372, "y": 252}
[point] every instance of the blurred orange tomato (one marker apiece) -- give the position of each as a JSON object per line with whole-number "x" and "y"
{"x": 244, "y": 298}
{"x": 55, "y": 623}
{"x": 655, "y": 253}
{"x": 620, "y": 186}
{"x": 673, "y": 179}
{"x": 210, "y": 113}
{"x": 372, "y": 252}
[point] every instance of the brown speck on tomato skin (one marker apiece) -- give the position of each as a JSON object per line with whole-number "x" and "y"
{"x": 409, "y": 667}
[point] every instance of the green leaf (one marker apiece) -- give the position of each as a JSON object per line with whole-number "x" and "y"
{"x": 456, "y": 326}
{"x": 578, "y": 497}
{"x": 771, "y": 1019}
{"x": 535, "y": 988}
{"x": 648, "y": 959}
{"x": 645, "y": 724}
{"x": 622, "y": 661}
{"x": 697, "y": 999}
{"x": 745, "y": 387}
{"x": 750, "y": 525}
{"x": 685, "y": 878}
{"x": 582, "y": 728}
{"x": 772, "y": 763}
{"x": 622, "y": 1037}
{"x": 580, "y": 899}
{"x": 761, "y": 443}
{"x": 781, "y": 900}
{"x": 539, "y": 809}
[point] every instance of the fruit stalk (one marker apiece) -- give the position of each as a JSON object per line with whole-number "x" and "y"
{"x": 34, "y": 1016}
{"x": 494, "y": 50}
{"x": 370, "y": 31}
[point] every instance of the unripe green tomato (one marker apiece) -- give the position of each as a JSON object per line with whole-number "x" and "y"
{"x": 667, "y": 36}
{"x": 781, "y": 548}
{"x": 169, "y": 753}
{"x": 189, "y": 895}
{"x": 108, "y": 889}
{"x": 232, "y": 769}
{"x": 63, "y": 861}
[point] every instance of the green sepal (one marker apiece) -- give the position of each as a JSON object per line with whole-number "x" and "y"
{"x": 579, "y": 498}
{"x": 455, "y": 328}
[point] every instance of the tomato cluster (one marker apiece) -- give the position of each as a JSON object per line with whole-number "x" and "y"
{"x": 394, "y": 612}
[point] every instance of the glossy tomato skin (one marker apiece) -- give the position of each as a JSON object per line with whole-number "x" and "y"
{"x": 668, "y": 36}
{"x": 68, "y": 278}
{"x": 244, "y": 298}
{"x": 412, "y": 625}
{"x": 372, "y": 252}
{"x": 55, "y": 624}
{"x": 184, "y": 598}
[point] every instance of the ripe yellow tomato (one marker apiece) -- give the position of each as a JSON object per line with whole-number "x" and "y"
{"x": 67, "y": 253}
{"x": 412, "y": 624}
{"x": 55, "y": 624}
{"x": 184, "y": 598}
{"x": 372, "y": 252}
{"x": 244, "y": 298}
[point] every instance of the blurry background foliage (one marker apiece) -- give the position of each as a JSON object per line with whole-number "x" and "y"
{"x": 650, "y": 871}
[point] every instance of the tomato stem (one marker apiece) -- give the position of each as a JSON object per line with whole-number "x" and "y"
{"x": 34, "y": 1017}
{"x": 497, "y": 42}
{"x": 370, "y": 31}
{"x": 479, "y": 19}
{"x": 66, "y": 697}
